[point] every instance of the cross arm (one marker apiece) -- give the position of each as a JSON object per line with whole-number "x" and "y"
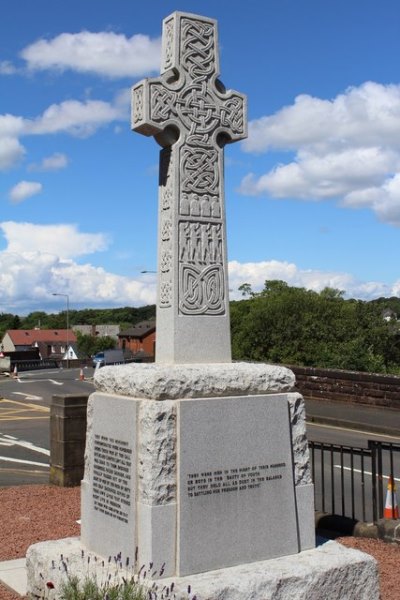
{"x": 153, "y": 111}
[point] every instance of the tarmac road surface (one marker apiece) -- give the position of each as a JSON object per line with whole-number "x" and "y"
{"x": 24, "y": 421}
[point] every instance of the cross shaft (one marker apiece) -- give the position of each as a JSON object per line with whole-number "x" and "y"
{"x": 192, "y": 116}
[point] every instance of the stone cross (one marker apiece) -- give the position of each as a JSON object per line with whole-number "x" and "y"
{"x": 192, "y": 116}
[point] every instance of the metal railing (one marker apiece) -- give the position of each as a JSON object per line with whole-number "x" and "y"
{"x": 350, "y": 481}
{"x": 31, "y": 365}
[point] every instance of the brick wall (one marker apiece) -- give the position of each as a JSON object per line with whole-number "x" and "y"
{"x": 348, "y": 386}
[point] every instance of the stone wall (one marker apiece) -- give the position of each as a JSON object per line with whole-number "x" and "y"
{"x": 348, "y": 386}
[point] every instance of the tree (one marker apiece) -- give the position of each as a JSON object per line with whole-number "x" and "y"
{"x": 246, "y": 290}
{"x": 89, "y": 345}
{"x": 290, "y": 325}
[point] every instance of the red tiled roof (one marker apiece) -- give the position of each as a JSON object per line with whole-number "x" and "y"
{"x": 24, "y": 337}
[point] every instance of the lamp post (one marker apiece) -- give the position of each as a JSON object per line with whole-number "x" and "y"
{"x": 67, "y": 298}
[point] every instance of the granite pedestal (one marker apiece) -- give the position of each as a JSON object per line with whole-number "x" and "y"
{"x": 203, "y": 471}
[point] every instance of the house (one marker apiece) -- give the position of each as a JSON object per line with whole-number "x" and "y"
{"x": 72, "y": 353}
{"x": 139, "y": 339}
{"x": 51, "y": 343}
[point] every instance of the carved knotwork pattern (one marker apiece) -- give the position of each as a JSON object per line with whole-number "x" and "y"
{"x": 168, "y": 35}
{"x": 198, "y": 48}
{"x": 201, "y": 281}
{"x": 232, "y": 115}
{"x": 167, "y": 194}
{"x": 165, "y": 294}
{"x": 191, "y": 194}
{"x": 200, "y": 170}
{"x": 201, "y": 290}
{"x": 162, "y": 103}
{"x": 165, "y": 261}
{"x": 166, "y": 229}
{"x": 138, "y": 104}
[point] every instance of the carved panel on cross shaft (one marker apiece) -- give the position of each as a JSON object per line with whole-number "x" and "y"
{"x": 201, "y": 281}
{"x": 166, "y": 192}
{"x": 201, "y": 290}
{"x": 232, "y": 114}
{"x": 137, "y": 104}
{"x": 198, "y": 48}
{"x": 195, "y": 205}
{"x": 200, "y": 170}
{"x": 162, "y": 103}
{"x": 168, "y": 44}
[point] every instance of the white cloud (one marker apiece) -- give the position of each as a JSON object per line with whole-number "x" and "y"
{"x": 255, "y": 273}
{"x": 62, "y": 240}
{"x": 54, "y": 162}
{"x": 346, "y": 148}
{"x": 23, "y": 190}
{"x": 39, "y": 259}
{"x": 74, "y": 117}
{"x": 103, "y": 53}
{"x": 11, "y": 152}
{"x": 7, "y": 68}
{"x": 71, "y": 116}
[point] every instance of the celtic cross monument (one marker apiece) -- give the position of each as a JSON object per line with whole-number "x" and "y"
{"x": 197, "y": 468}
{"x": 192, "y": 116}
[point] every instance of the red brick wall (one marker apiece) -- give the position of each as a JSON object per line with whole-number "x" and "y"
{"x": 348, "y": 386}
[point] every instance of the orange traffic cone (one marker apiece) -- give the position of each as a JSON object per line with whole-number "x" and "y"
{"x": 391, "y": 508}
{"x": 15, "y": 373}
{"x": 81, "y": 375}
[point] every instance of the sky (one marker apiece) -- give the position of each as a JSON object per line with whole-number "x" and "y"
{"x": 312, "y": 196}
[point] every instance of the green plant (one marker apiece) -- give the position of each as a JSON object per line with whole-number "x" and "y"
{"x": 106, "y": 580}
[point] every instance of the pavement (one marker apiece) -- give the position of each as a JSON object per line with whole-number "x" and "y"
{"x": 13, "y": 575}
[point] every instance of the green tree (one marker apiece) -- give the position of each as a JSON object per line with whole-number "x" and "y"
{"x": 290, "y": 325}
{"x": 89, "y": 345}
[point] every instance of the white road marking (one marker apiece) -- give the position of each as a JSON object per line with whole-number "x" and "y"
{"x": 365, "y": 472}
{"x": 25, "y": 462}
{"x": 24, "y": 444}
{"x": 40, "y": 381}
{"x": 28, "y": 396}
{"x": 33, "y": 373}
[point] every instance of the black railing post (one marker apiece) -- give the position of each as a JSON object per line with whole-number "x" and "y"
{"x": 372, "y": 447}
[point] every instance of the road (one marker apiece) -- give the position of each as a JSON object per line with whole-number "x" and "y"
{"x": 339, "y": 476}
{"x": 24, "y": 421}
{"x": 25, "y": 448}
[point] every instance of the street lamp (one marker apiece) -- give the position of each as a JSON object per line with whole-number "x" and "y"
{"x": 67, "y": 298}
{"x": 148, "y": 271}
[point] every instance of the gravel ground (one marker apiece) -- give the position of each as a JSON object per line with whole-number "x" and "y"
{"x": 34, "y": 513}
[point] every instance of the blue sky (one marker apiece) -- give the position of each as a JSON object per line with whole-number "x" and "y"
{"x": 312, "y": 196}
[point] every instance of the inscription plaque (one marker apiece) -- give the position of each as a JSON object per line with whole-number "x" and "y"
{"x": 236, "y": 487}
{"x": 108, "y": 490}
{"x": 112, "y": 477}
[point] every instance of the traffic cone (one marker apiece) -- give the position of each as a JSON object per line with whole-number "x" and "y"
{"x": 391, "y": 508}
{"x": 81, "y": 375}
{"x": 15, "y": 373}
